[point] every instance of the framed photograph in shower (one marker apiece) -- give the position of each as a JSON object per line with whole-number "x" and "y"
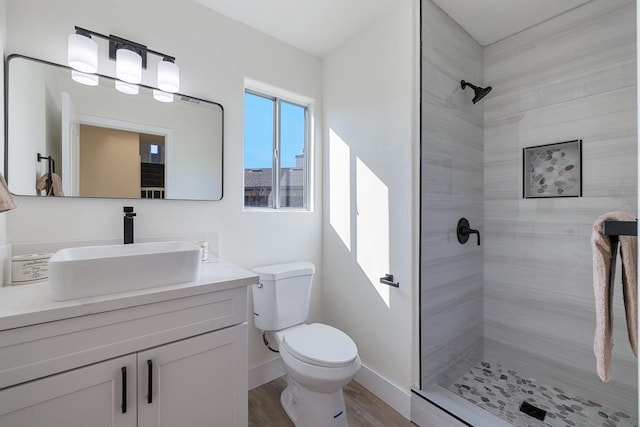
{"x": 552, "y": 170}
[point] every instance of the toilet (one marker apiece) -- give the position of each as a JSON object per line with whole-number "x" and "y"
{"x": 319, "y": 360}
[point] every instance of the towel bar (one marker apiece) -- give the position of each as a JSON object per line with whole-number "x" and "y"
{"x": 388, "y": 280}
{"x": 620, "y": 228}
{"x": 51, "y": 168}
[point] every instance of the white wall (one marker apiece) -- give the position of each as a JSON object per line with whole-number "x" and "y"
{"x": 32, "y": 105}
{"x": 370, "y": 165}
{"x": 571, "y": 77}
{"x": 215, "y": 54}
{"x": 3, "y": 216}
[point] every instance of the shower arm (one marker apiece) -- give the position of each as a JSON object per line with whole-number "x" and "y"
{"x": 463, "y": 231}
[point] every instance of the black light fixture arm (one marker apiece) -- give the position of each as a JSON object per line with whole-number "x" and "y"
{"x": 463, "y": 231}
{"x": 120, "y": 42}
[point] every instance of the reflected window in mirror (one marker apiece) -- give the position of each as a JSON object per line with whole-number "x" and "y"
{"x": 276, "y": 135}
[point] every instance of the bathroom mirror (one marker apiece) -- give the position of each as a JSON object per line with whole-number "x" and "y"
{"x": 64, "y": 138}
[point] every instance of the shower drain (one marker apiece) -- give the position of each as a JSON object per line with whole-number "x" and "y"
{"x": 533, "y": 411}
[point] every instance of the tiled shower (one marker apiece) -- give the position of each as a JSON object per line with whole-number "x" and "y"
{"x": 522, "y": 303}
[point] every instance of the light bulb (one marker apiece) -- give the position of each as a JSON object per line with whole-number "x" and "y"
{"x": 82, "y": 53}
{"x": 168, "y": 76}
{"x": 128, "y": 66}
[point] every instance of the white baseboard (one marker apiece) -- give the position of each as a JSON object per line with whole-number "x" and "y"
{"x": 265, "y": 372}
{"x": 391, "y": 394}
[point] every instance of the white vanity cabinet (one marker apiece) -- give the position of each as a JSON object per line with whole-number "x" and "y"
{"x": 173, "y": 356}
{"x": 193, "y": 383}
{"x": 89, "y": 396}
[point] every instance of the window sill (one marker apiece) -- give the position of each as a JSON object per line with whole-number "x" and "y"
{"x": 281, "y": 210}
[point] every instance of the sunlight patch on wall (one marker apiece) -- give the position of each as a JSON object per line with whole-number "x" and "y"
{"x": 372, "y": 227}
{"x": 340, "y": 188}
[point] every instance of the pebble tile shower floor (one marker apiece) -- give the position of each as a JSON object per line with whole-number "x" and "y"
{"x": 501, "y": 392}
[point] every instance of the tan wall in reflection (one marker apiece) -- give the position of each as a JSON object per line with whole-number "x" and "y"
{"x": 109, "y": 162}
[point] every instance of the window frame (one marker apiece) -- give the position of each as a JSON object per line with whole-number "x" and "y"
{"x": 275, "y": 152}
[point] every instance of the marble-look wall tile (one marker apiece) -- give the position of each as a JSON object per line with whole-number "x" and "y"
{"x": 588, "y": 50}
{"x": 571, "y": 77}
{"x": 452, "y": 187}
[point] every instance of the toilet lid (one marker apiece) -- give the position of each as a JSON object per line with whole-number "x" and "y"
{"x": 321, "y": 345}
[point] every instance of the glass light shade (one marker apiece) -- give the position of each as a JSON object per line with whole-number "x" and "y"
{"x": 82, "y": 53}
{"x": 85, "y": 78}
{"x": 168, "y": 76}
{"x": 127, "y": 88}
{"x": 161, "y": 96}
{"x": 128, "y": 66}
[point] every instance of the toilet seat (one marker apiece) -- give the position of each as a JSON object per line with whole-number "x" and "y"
{"x": 320, "y": 345}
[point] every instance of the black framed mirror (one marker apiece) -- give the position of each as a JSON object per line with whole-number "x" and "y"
{"x": 64, "y": 138}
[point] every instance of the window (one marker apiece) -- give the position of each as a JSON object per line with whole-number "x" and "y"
{"x": 275, "y": 151}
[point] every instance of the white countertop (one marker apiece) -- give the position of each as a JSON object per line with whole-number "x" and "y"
{"x": 25, "y": 305}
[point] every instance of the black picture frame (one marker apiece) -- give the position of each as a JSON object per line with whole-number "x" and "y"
{"x": 552, "y": 170}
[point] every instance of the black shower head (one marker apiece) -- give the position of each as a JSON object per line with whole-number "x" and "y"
{"x": 480, "y": 92}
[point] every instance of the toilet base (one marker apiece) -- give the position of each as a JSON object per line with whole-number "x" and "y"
{"x": 308, "y": 408}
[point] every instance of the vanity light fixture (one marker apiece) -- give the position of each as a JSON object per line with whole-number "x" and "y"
{"x": 130, "y": 57}
{"x": 82, "y": 53}
{"x": 128, "y": 66}
{"x": 168, "y": 76}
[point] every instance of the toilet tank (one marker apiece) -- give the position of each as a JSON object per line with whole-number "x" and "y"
{"x": 282, "y": 297}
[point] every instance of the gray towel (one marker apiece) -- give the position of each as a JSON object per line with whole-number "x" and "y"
{"x": 604, "y": 267}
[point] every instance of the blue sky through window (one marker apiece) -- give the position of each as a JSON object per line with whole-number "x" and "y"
{"x": 258, "y": 132}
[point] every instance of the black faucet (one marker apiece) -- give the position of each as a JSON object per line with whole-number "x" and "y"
{"x": 128, "y": 224}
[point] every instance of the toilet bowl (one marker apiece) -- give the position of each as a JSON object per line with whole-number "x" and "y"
{"x": 319, "y": 360}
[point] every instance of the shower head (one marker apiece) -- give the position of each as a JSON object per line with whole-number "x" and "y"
{"x": 480, "y": 92}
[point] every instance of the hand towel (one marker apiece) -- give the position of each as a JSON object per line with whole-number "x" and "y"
{"x": 56, "y": 184}
{"x": 6, "y": 200}
{"x": 604, "y": 265}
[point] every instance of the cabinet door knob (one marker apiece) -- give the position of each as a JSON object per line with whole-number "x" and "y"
{"x": 149, "y": 381}
{"x": 124, "y": 390}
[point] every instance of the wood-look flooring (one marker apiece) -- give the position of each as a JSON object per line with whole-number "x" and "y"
{"x": 364, "y": 409}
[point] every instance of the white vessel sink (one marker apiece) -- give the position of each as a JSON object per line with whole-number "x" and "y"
{"x": 99, "y": 270}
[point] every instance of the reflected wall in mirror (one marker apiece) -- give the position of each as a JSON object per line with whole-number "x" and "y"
{"x": 105, "y": 143}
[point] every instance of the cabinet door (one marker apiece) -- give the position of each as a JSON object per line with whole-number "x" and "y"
{"x": 89, "y": 396}
{"x": 197, "y": 382}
